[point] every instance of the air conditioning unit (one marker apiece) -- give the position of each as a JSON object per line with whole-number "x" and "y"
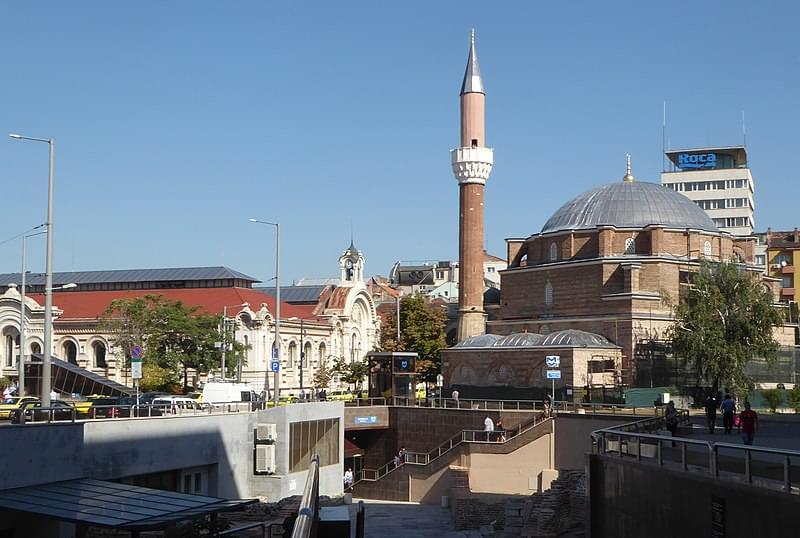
{"x": 265, "y": 459}
{"x": 266, "y": 432}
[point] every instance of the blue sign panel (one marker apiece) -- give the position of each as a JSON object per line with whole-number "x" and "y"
{"x": 367, "y": 420}
{"x": 694, "y": 161}
{"x": 275, "y": 366}
{"x": 553, "y": 374}
{"x": 553, "y": 361}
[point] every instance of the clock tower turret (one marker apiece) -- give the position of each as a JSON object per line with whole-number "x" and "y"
{"x": 351, "y": 264}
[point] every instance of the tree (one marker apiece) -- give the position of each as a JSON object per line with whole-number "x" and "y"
{"x": 722, "y": 321}
{"x": 173, "y": 337}
{"x": 352, "y": 373}
{"x": 773, "y": 397}
{"x": 323, "y": 375}
{"x": 422, "y": 330}
{"x": 794, "y": 398}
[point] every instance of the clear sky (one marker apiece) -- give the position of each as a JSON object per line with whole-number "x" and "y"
{"x": 177, "y": 121}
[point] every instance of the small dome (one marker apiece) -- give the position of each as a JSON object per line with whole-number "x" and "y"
{"x": 481, "y": 340}
{"x": 633, "y": 204}
{"x": 520, "y": 340}
{"x": 575, "y": 338}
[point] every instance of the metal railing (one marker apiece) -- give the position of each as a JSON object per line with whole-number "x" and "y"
{"x": 703, "y": 456}
{"x": 264, "y": 526}
{"x": 305, "y": 526}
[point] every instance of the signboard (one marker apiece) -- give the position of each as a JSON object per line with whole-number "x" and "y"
{"x": 275, "y": 366}
{"x": 553, "y": 361}
{"x": 694, "y": 161}
{"x": 274, "y": 352}
{"x": 439, "y": 380}
{"x": 136, "y": 352}
{"x": 404, "y": 364}
{"x": 372, "y": 419}
{"x": 553, "y": 374}
{"x": 136, "y": 368}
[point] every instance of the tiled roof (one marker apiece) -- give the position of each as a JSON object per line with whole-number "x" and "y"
{"x": 131, "y": 275}
{"x": 296, "y": 294}
{"x": 92, "y": 304}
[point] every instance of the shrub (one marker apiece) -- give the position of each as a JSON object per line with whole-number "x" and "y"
{"x": 773, "y": 397}
{"x": 794, "y": 398}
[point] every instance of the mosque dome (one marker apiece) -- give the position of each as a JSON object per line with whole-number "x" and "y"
{"x": 629, "y": 204}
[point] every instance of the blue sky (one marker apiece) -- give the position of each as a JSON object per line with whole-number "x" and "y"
{"x": 177, "y": 121}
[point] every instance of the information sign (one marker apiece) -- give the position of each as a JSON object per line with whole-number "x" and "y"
{"x": 553, "y": 374}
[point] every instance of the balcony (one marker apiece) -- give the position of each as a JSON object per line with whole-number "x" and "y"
{"x": 787, "y": 270}
{"x": 787, "y": 292}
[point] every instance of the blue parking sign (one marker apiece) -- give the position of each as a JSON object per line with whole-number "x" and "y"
{"x": 275, "y": 366}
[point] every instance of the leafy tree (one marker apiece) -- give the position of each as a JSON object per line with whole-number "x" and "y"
{"x": 722, "y": 321}
{"x": 773, "y": 397}
{"x": 352, "y": 373}
{"x": 174, "y": 337}
{"x": 323, "y": 375}
{"x": 422, "y": 330}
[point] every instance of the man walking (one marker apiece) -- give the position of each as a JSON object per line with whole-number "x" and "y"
{"x": 728, "y": 408}
{"x": 488, "y": 427}
{"x": 748, "y": 424}
{"x": 711, "y": 413}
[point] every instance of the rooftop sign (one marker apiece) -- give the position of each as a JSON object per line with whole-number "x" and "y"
{"x": 695, "y": 161}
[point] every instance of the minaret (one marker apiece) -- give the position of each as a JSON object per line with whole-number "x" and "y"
{"x": 472, "y": 163}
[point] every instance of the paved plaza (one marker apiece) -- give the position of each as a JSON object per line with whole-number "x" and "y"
{"x": 387, "y": 519}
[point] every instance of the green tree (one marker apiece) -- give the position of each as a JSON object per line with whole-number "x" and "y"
{"x": 323, "y": 375}
{"x": 773, "y": 397}
{"x": 175, "y": 338}
{"x": 722, "y": 321}
{"x": 422, "y": 330}
{"x": 794, "y": 398}
{"x": 352, "y": 373}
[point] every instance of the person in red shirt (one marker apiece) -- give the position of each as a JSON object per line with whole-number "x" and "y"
{"x": 748, "y": 423}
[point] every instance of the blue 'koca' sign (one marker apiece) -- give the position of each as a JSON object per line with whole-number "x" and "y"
{"x": 697, "y": 160}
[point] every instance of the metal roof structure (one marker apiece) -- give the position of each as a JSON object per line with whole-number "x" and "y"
{"x": 112, "y": 505}
{"x": 297, "y": 294}
{"x": 565, "y": 338}
{"x": 130, "y": 275}
{"x": 634, "y": 204}
{"x": 71, "y": 378}
{"x": 473, "y": 83}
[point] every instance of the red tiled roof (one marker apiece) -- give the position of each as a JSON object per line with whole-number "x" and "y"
{"x": 92, "y": 304}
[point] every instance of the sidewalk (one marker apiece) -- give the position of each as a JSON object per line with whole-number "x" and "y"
{"x": 387, "y": 519}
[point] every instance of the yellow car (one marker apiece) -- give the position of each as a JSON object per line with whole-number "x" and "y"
{"x": 14, "y": 402}
{"x": 343, "y": 395}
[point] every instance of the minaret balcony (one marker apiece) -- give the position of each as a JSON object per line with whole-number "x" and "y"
{"x": 472, "y": 165}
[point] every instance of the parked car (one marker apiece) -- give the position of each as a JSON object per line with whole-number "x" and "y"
{"x": 176, "y": 404}
{"x": 344, "y": 395}
{"x": 34, "y": 413}
{"x": 12, "y": 403}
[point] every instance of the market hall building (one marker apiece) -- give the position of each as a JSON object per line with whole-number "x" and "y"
{"x": 588, "y": 287}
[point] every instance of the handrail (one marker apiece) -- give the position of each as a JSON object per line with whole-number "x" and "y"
{"x": 305, "y": 526}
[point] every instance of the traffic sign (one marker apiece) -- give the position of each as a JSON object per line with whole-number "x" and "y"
{"x": 136, "y": 352}
{"x": 553, "y": 374}
{"x": 553, "y": 361}
{"x": 275, "y": 366}
{"x": 136, "y": 368}
{"x": 274, "y": 352}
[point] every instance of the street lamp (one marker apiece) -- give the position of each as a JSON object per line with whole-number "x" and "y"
{"x": 22, "y": 343}
{"x": 48, "y": 292}
{"x": 276, "y": 392}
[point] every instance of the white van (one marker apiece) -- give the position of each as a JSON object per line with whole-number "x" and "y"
{"x": 176, "y": 404}
{"x": 223, "y": 392}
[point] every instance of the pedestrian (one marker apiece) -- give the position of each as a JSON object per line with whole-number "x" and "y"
{"x": 671, "y": 419}
{"x": 546, "y": 409}
{"x": 501, "y": 432}
{"x": 402, "y": 455}
{"x": 711, "y": 413}
{"x": 455, "y": 396}
{"x": 488, "y": 427}
{"x": 396, "y": 461}
{"x": 53, "y": 395}
{"x": 748, "y": 424}
{"x": 728, "y": 408}
{"x": 348, "y": 479}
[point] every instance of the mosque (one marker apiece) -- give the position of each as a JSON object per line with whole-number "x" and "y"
{"x": 587, "y": 288}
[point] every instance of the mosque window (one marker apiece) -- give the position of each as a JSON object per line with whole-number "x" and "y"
{"x": 553, "y": 252}
{"x": 707, "y": 249}
{"x": 548, "y": 294}
{"x": 630, "y": 246}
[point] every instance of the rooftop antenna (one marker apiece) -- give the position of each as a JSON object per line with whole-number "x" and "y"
{"x": 664, "y": 138}
{"x": 744, "y": 131}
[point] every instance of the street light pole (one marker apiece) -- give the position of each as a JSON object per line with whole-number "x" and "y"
{"x": 302, "y": 356}
{"x": 224, "y": 338}
{"x": 22, "y": 324}
{"x": 48, "y": 286}
{"x": 276, "y": 382}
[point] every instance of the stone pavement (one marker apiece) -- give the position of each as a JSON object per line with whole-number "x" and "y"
{"x": 390, "y": 519}
{"x": 774, "y": 431}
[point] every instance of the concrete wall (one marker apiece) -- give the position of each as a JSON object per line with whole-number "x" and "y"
{"x": 573, "y": 437}
{"x": 514, "y": 473}
{"x": 630, "y": 500}
{"x": 113, "y": 449}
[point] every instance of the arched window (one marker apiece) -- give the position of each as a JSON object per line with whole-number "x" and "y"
{"x": 9, "y": 350}
{"x": 99, "y": 351}
{"x": 553, "y": 252}
{"x": 70, "y": 352}
{"x": 292, "y": 355}
{"x": 322, "y": 354}
{"x": 246, "y": 343}
{"x": 707, "y": 249}
{"x": 307, "y": 354}
{"x": 630, "y": 246}
{"x": 36, "y": 348}
{"x": 353, "y": 340}
{"x": 548, "y": 294}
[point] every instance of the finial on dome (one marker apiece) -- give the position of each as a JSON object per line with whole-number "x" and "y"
{"x": 628, "y": 177}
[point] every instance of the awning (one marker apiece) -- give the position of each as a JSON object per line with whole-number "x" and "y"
{"x": 109, "y": 504}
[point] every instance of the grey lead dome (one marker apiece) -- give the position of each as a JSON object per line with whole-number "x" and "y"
{"x": 629, "y": 205}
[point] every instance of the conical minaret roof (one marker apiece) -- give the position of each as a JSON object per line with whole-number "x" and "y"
{"x": 473, "y": 83}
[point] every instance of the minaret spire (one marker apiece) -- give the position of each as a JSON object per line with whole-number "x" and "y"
{"x": 628, "y": 177}
{"x": 472, "y": 76}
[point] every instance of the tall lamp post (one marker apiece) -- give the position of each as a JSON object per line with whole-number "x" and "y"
{"x": 276, "y": 382}
{"x": 22, "y": 343}
{"x": 48, "y": 286}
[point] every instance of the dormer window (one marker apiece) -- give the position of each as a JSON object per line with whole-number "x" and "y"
{"x": 630, "y": 246}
